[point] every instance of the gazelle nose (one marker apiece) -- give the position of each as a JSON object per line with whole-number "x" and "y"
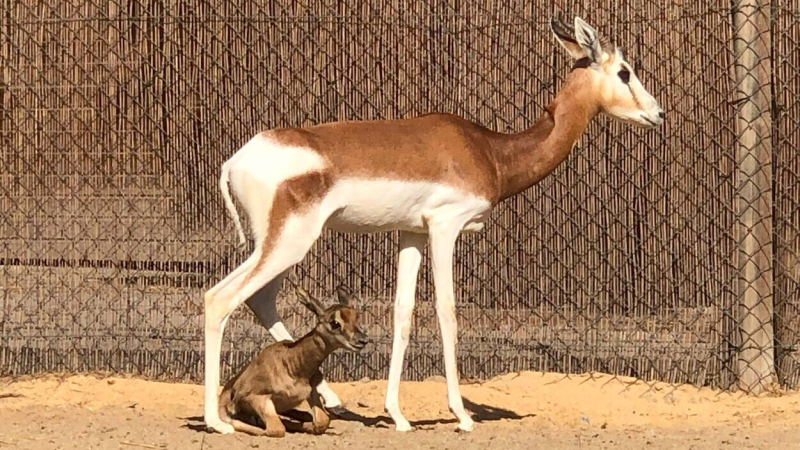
{"x": 661, "y": 114}
{"x": 362, "y": 339}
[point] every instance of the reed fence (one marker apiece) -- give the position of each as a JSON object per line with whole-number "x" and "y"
{"x": 667, "y": 254}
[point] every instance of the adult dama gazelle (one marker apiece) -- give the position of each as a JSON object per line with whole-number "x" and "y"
{"x": 429, "y": 177}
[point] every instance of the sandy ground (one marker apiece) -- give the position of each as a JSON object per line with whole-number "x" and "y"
{"x": 515, "y": 411}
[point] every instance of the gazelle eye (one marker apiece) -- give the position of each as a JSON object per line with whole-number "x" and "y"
{"x": 624, "y": 75}
{"x": 335, "y": 325}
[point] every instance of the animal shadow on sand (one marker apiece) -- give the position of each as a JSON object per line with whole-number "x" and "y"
{"x": 197, "y": 423}
{"x": 480, "y": 413}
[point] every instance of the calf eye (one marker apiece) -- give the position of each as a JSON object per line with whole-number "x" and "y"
{"x": 624, "y": 75}
{"x": 335, "y": 325}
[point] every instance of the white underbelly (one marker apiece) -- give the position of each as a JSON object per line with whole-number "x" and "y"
{"x": 365, "y": 206}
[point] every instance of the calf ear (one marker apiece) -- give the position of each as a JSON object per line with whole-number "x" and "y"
{"x": 309, "y": 302}
{"x": 345, "y": 297}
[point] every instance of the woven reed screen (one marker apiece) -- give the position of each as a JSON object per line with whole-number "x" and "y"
{"x": 116, "y": 117}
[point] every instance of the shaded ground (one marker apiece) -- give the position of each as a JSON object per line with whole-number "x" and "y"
{"x": 516, "y": 411}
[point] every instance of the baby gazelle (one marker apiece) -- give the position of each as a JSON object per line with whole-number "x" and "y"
{"x": 285, "y": 374}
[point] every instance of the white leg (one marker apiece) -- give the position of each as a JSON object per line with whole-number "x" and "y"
{"x": 244, "y": 267}
{"x": 215, "y": 320}
{"x": 216, "y": 316}
{"x": 293, "y": 242}
{"x": 264, "y": 306}
{"x": 443, "y": 241}
{"x": 411, "y": 246}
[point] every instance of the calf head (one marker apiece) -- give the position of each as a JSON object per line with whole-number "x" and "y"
{"x": 337, "y": 324}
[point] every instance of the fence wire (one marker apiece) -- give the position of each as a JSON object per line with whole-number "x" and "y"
{"x": 632, "y": 258}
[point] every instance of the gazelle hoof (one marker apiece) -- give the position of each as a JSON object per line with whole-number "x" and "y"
{"x": 403, "y": 427}
{"x": 465, "y": 426}
{"x": 400, "y": 422}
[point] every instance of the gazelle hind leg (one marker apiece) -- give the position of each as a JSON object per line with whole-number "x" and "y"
{"x": 259, "y": 214}
{"x": 264, "y": 306}
{"x": 409, "y": 258}
{"x": 216, "y": 316}
{"x": 289, "y": 241}
{"x": 231, "y": 277}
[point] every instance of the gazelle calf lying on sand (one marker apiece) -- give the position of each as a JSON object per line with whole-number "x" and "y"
{"x": 286, "y": 374}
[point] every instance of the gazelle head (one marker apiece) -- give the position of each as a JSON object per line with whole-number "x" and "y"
{"x": 619, "y": 92}
{"x": 337, "y": 324}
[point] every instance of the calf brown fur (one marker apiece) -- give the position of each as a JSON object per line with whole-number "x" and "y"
{"x": 285, "y": 374}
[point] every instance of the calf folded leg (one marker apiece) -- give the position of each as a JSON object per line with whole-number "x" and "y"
{"x": 226, "y": 412}
{"x": 245, "y": 427}
{"x": 262, "y": 405}
{"x": 319, "y": 418}
{"x": 312, "y": 418}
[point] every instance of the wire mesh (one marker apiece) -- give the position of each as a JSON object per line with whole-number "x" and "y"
{"x": 786, "y": 192}
{"x": 116, "y": 117}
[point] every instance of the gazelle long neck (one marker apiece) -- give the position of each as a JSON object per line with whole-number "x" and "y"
{"x": 526, "y": 157}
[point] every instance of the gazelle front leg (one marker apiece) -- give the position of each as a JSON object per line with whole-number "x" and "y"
{"x": 443, "y": 239}
{"x": 411, "y": 246}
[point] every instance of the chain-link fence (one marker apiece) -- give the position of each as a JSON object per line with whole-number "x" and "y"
{"x": 785, "y": 79}
{"x": 666, "y": 254}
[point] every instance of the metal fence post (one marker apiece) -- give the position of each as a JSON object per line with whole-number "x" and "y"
{"x": 753, "y": 201}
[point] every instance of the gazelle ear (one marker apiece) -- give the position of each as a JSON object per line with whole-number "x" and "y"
{"x": 565, "y": 35}
{"x": 310, "y": 302}
{"x": 345, "y": 297}
{"x": 579, "y": 39}
{"x": 589, "y": 40}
